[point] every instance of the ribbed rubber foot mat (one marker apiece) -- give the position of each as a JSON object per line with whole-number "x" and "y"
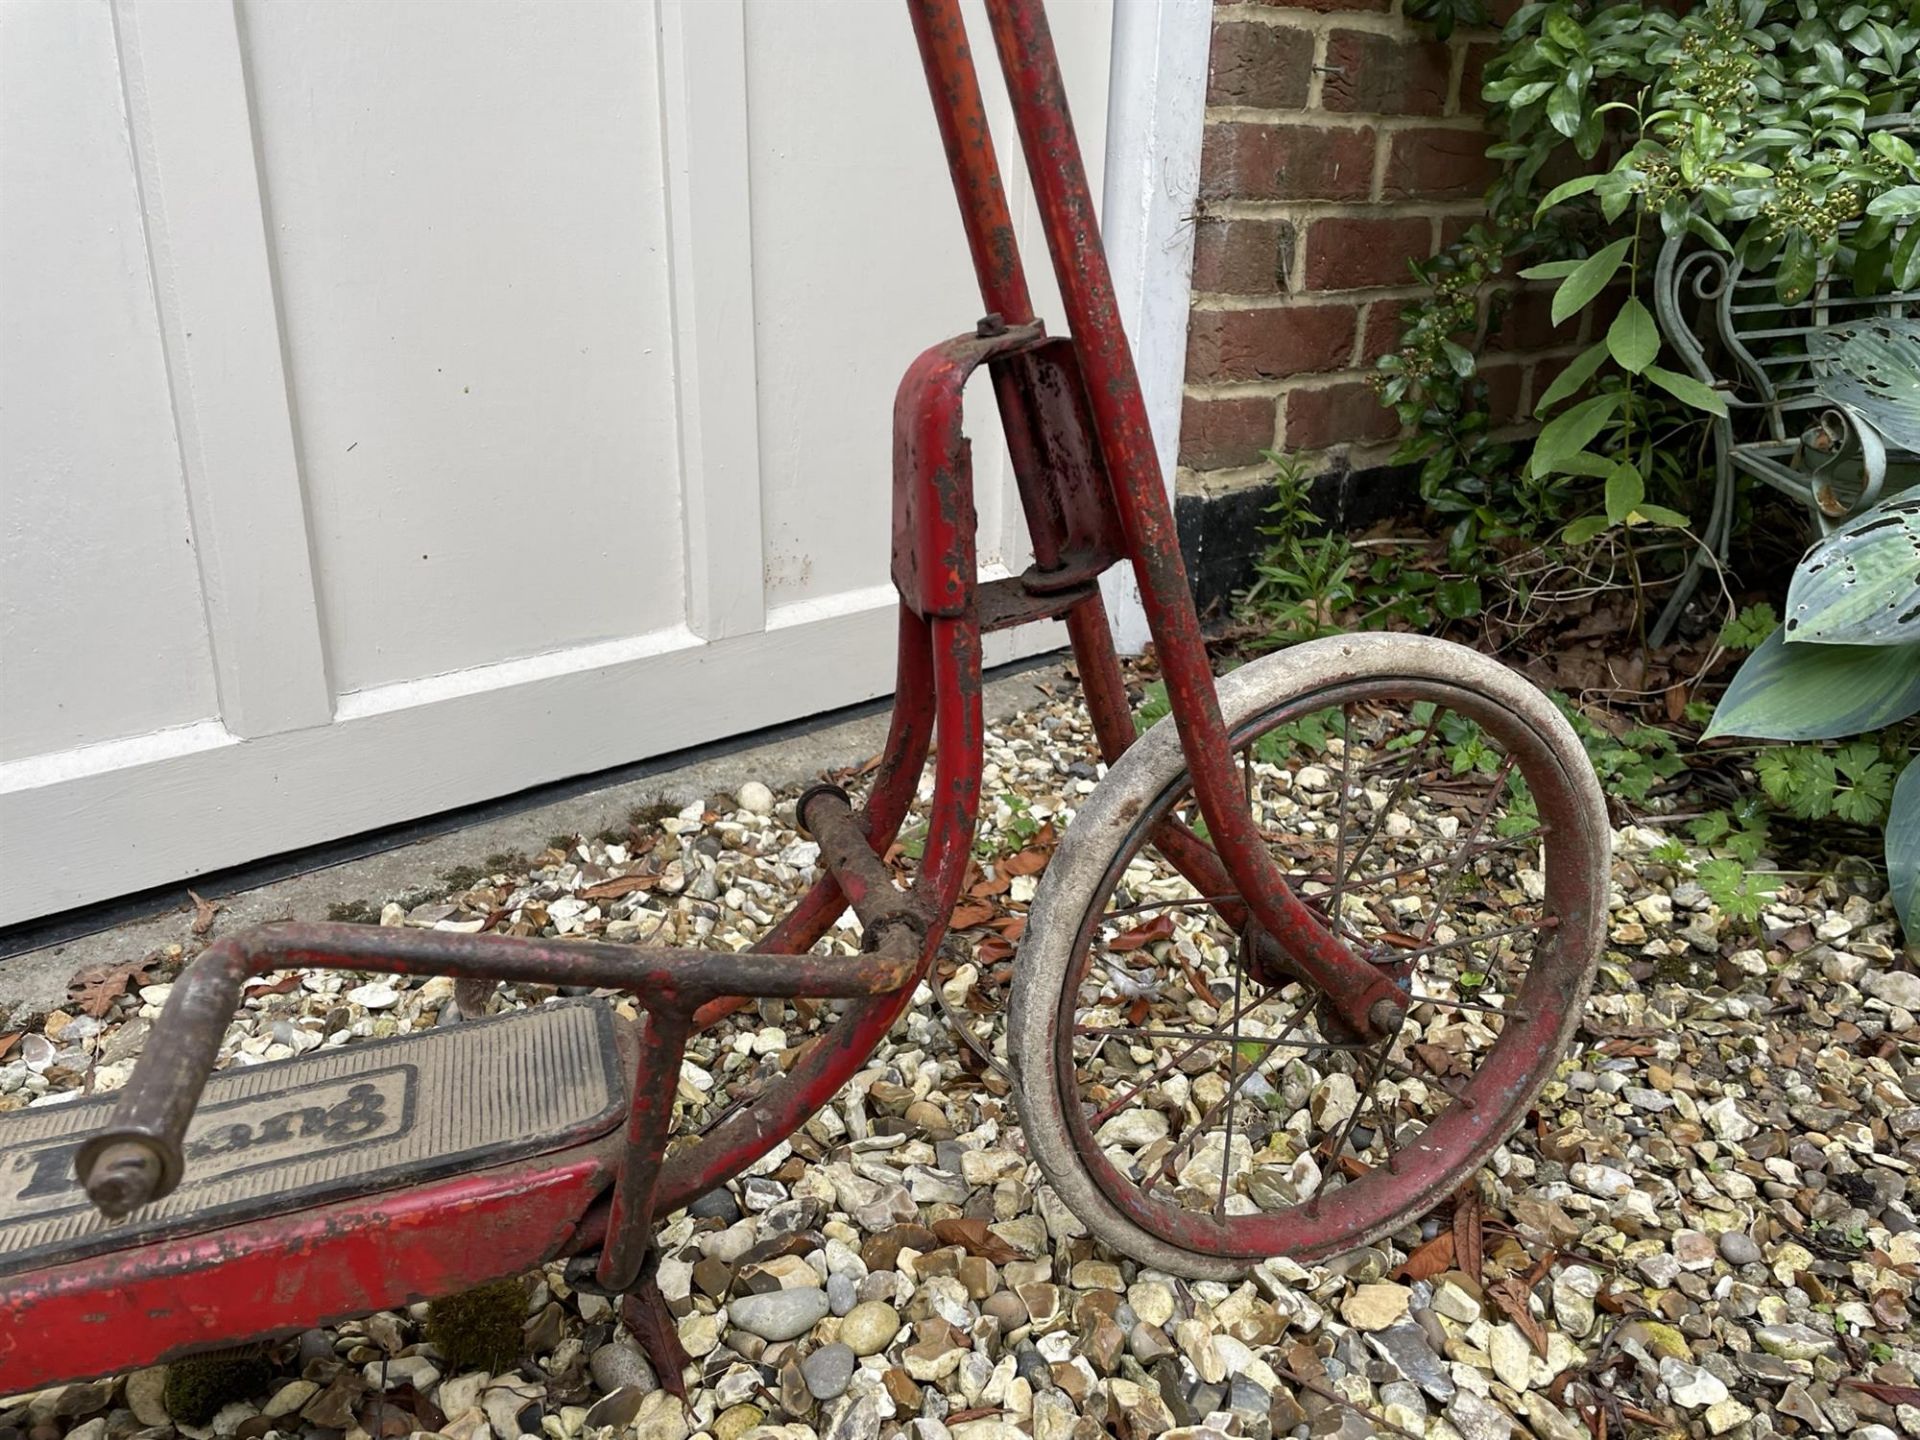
{"x": 330, "y": 1124}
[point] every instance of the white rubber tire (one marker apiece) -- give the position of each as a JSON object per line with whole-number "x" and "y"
{"x": 1110, "y": 819}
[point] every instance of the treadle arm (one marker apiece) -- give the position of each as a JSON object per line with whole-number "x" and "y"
{"x": 138, "y": 1157}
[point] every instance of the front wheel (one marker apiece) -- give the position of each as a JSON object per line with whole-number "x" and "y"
{"x": 1199, "y": 1110}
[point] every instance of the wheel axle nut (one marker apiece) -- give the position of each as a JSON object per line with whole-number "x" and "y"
{"x": 123, "y": 1177}
{"x": 1386, "y": 1015}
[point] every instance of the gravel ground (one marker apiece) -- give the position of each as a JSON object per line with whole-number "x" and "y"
{"x": 1706, "y": 1230}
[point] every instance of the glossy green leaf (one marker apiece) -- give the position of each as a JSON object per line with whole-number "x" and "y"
{"x": 1903, "y": 846}
{"x": 1571, "y": 380}
{"x": 1584, "y": 462}
{"x": 1585, "y": 529}
{"x": 1625, "y": 491}
{"x": 1903, "y": 270}
{"x": 1593, "y": 275}
{"x": 1551, "y": 270}
{"x": 1818, "y": 692}
{"x": 1900, "y": 203}
{"x": 1861, "y": 584}
{"x": 1579, "y": 185}
{"x": 1799, "y": 268}
{"x": 1688, "y": 390}
{"x": 1634, "y": 340}
{"x": 1661, "y": 515}
{"x": 1571, "y": 431}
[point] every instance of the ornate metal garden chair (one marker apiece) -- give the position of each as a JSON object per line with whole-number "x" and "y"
{"x": 1823, "y": 394}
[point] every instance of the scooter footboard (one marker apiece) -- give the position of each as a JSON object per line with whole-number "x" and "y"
{"x": 330, "y": 1184}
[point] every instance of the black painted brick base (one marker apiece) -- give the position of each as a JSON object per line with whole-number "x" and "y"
{"x": 1220, "y": 534}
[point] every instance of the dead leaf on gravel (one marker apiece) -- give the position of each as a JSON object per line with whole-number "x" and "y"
{"x": 969, "y": 913}
{"x": 1468, "y": 1243}
{"x": 7, "y": 1042}
{"x": 1030, "y": 861}
{"x": 1158, "y": 928}
{"x": 620, "y": 885}
{"x": 1430, "y": 1259}
{"x": 1886, "y": 1394}
{"x": 203, "y": 912}
{"x": 95, "y": 989}
{"x": 1515, "y": 1296}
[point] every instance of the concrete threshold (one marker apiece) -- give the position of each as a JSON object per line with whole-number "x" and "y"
{"x": 34, "y": 981}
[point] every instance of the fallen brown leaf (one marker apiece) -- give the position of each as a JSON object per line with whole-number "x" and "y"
{"x": 1030, "y": 861}
{"x": 619, "y": 885}
{"x": 7, "y": 1042}
{"x": 1430, "y": 1259}
{"x": 1468, "y": 1242}
{"x": 96, "y": 989}
{"x": 969, "y": 913}
{"x": 1515, "y": 1296}
{"x": 1158, "y": 928}
{"x": 1886, "y": 1394}
{"x": 203, "y": 913}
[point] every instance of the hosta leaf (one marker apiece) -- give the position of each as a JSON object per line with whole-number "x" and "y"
{"x": 1903, "y": 845}
{"x": 1861, "y": 585}
{"x": 1874, "y": 366}
{"x": 1818, "y": 692}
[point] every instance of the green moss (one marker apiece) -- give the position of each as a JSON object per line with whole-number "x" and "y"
{"x": 648, "y": 817}
{"x": 199, "y": 1385}
{"x": 354, "y": 912}
{"x": 506, "y": 862}
{"x": 479, "y": 1329}
{"x": 462, "y": 877}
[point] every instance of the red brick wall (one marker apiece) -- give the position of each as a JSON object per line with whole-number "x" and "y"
{"x": 1340, "y": 144}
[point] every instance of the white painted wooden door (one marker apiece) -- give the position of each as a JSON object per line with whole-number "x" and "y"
{"x": 403, "y": 404}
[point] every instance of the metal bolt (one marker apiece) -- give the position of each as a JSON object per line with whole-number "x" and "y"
{"x": 1385, "y": 1015}
{"x": 123, "y": 1177}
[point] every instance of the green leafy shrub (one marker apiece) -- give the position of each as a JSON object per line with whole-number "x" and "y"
{"x": 1747, "y": 123}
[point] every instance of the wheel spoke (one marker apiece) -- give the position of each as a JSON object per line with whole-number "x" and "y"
{"x": 1126, "y": 1031}
{"x": 1432, "y": 1077}
{"x": 1471, "y": 1005}
{"x": 1206, "y": 1120}
{"x": 1353, "y": 1115}
{"x": 1399, "y": 788}
{"x": 1444, "y": 890}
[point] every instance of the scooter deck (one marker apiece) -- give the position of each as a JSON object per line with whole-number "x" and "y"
{"x": 328, "y": 1125}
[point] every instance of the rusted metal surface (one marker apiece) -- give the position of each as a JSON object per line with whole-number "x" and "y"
{"x": 1012, "y": 602}
{"x": 1092, "y": 491}
{"x": 151, "y": 1303}
{"x": 158, "y": 1102}
{"x": 827, "y": 815}
{"x": 1032, "y": 70}
{"x": 933, "y": 515}
{"x": 663, "y": 1040}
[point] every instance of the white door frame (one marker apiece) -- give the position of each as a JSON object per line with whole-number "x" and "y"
{"x": 1156, "y": 103}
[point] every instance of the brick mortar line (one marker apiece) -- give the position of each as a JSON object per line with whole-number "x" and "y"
{"x": 1393, "y": 24}
{"x": 1279, "y": 389}
{"x": 1312, "y": 117}
{"x": 1310, "y": 209}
